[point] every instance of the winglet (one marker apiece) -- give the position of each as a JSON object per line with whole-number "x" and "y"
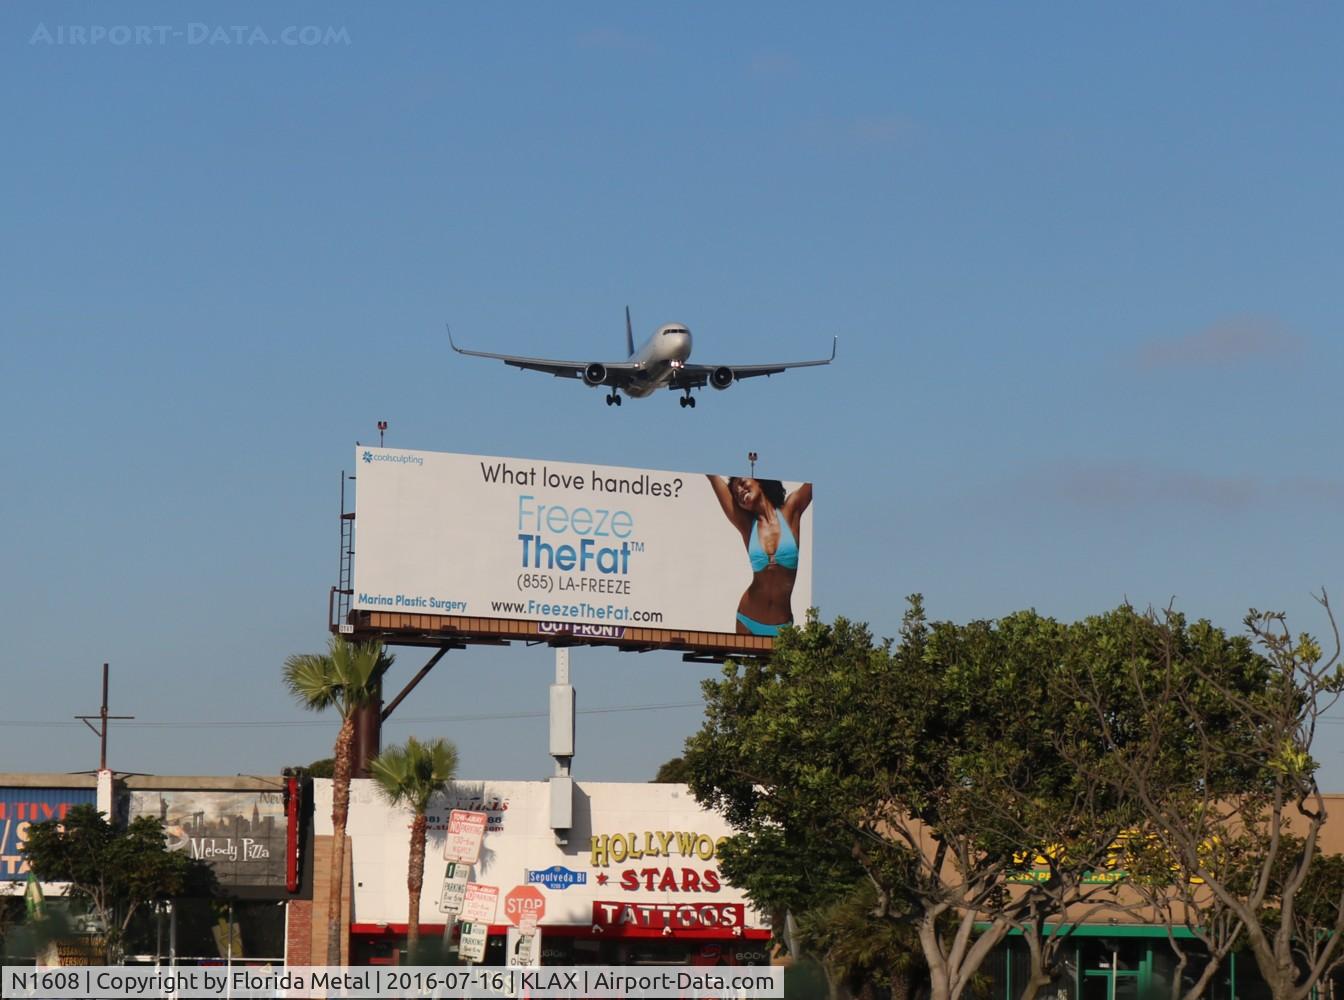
{"x": 629, "y": 335}
{"x": 834, "y": 342}
{"x": 450, "y": 339}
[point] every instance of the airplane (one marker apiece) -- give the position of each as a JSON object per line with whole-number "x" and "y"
{"x": 663, "y": 361}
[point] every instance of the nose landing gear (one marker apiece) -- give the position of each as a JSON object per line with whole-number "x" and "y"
{"x": 613, "y": 398}
{"x": 687, "y": 400}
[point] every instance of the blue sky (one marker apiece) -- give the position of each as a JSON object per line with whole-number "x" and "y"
{"x": 1084, "y": 264}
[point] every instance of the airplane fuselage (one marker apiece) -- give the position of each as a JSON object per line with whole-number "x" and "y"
{"x": 661, "y": 362}
{"x": 658, "y": 359}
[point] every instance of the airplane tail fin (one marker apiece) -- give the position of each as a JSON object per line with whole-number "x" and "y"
{"x": 629, "y": 335}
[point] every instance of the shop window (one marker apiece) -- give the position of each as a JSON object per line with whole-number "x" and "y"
{"x": 1250, "y": 985}
{"x": 557, "y": 950}
{"x": 208, "y": 932}
{"x": 1164, "y": 970}
{"x": 263, "y": 928}
{"x": 16, "y": 940}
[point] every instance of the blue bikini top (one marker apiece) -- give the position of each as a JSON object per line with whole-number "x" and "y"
{"x": 786, "y": 552}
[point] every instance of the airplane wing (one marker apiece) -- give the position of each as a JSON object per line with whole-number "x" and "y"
{"x": 697, "y": 376}
{"x": 552, "y": 366}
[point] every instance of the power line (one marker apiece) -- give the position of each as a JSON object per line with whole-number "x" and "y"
{"x": 276, "y": 724}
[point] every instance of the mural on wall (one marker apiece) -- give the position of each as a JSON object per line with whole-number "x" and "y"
{"x": 21, "y": 807}
{"x": 240, "y": 834}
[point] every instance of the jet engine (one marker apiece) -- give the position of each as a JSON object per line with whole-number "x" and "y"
{"x": 595, "y": 373}
{"x": 721, "y": 377}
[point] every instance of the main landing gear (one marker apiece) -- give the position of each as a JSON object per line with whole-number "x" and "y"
{"x": 613, "y": 398}
{"x": 687, "y": 400}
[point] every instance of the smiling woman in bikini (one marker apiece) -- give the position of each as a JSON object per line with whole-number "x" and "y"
{"x": 770, "y": 524}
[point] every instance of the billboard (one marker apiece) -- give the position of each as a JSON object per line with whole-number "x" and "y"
{"x": 21, "y": 807}
{"x": 579, "y": 549}
{"x": 240, "y": 834}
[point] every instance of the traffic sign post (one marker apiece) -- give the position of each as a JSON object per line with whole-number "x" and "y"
{"x": 522, "y": 949}
{"x": 448, "y": 924}
{"x": 478, "y": 912}
{"x": 454, "y": 887}
{"x": 479, "y": 903}
{"x": 524, "y": 899}
{"x": 472, "y": 946}
{"x": 465, "y": 830}
{"x": 451, "y": 897}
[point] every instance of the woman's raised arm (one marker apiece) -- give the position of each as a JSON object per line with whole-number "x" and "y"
{"x": 731, "y": 510}
{"x": 798, "y": 501}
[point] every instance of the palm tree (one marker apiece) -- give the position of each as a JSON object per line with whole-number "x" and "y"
{"x": 865, "y": 952}
{"x": 410, "y": 776}
{"x": 347, "y": 677}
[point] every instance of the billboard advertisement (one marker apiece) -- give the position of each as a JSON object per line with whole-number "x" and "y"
{"x": 240, "y": 834}
{"x": 21, "y": 807}
{"x": 580, "y": 549}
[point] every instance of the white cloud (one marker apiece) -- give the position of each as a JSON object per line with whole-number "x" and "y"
{"x": 1232, "y": 342}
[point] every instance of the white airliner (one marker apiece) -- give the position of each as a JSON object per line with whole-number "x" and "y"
{"x": 662, "y": 362}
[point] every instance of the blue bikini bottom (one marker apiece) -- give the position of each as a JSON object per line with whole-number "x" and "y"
{"x": 756, "y": 628}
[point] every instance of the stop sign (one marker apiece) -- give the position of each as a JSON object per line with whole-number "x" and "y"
{"x": 524, "y": 899}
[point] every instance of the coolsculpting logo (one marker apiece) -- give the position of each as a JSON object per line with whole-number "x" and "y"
{"x": 369, "y": 457}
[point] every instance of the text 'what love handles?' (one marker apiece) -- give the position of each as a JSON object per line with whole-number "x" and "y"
{"x": 639, "y": 484}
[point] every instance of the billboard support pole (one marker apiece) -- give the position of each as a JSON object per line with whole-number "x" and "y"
{"x": 368, "y": 741}
{"x": 433, "y": 660}
{"x": 562, "y": 748}
{"x": 369, "y": 719}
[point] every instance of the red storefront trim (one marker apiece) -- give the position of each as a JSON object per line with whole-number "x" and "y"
{"x": 581, "y": 930}
{"x": 292, "y": 804}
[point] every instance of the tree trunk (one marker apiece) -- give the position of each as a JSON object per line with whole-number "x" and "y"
{"x": 900, "y": 984}
{"x": 415, "y": 881}
{"x": 1038, "y": 977}
{"x": 340, "y": 812}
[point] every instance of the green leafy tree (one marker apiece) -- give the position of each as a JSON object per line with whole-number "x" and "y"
{"x": 672, "y": 772}
{"x": 1315, "y": 906}
{"x": 1210, "y": 736}
{"x": 347, "y": 677}
{"x": 869, "y": 955}
{"x": 113, "y": 872}
{"x": 410, "y": 776}
{"x": 929, "y": 767}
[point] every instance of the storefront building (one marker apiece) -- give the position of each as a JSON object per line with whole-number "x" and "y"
{"x": 249, "y": 830}
{"x": 1113, "y": 954}
{"x": 1123, "y": 962}
{"x": 636, "y": 880}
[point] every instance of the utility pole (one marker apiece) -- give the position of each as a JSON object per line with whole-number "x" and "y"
{"x": 104, "y": 775}
{"x": 101, "y": 729}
